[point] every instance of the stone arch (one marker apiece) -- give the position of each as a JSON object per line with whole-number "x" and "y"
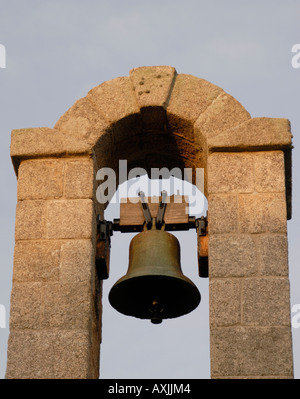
{"x": 153, "y": 118}
{"x": 154, "y": 114}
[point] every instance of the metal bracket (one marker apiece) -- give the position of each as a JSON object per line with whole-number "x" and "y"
{"x": 201, "y": 225}
{"x": 161, "y": 209}
{"x": 104, "y": 229}
{"x": 202, "y": 244}
{"x": 160, "y": 212}
{"x": 104, "y": 232}
{"x": 146, "y": 210}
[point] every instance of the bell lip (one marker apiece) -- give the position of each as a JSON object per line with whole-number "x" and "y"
{"x": 193, "y": 302}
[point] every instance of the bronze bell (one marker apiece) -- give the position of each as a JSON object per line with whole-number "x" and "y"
{"x": 154, "y": 287}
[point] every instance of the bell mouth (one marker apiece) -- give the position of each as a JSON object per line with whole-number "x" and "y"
{"x": 154, "y": 297}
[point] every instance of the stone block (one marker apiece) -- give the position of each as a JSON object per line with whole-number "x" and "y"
{"x": 222, "y": 114}
{"x": 152, "y": 85}
{"x": 79, "y": 178}
{"x": 274, "y": 255}
{"x": 30, "y": 220}
{"x": 41, "y": 142}
{"x": 67, "y": 355}
{"x": 114, "y": 99}
{"x": 261, "y": 213}
{"x": 230, "y": 173}
{"x": 66, "y": 305}
{"x": 36, "y": 261}
{"x": 49, "y": 355}
{"x": 269, "y": 171}
{"x": 232, "y": 256}
{"x": 254, "y": 134}
{"x": 84, "y": 121}
{"x": 190, "y": 97}
{"x": 251, "y": 351}
{"x": 266, "y": 301}
{"x": 222, "y": 213}
{"x": 225, "y": 301}
{"x": 23, "y": 357}
{"x": 40, "y": 179}
{"x": 25, "y": 306}
{"x": 256, "y": 377}
{"x": 70, "y": 219}
{"x": 77, "y": 261}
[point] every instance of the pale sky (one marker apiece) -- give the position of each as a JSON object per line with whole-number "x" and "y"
{"x": 56, "y": 51}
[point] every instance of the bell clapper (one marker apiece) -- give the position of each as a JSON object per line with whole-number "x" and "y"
{"x": 156, "y": 311}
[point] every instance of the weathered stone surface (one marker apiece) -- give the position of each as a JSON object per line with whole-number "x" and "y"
{"x": 35, "y": 354}
{"x": 114, "y": 99}
{"x": 152, "y": 88}
{"x": 222, "y": 213}
{"x": 269, "y": 171}
{"x": 274, "y": 255}
{"x": 190, "y": 97}
{"x": 84, "y": 122}
{"x": 79, "y": 178}
{"x": 225, "y": 301}
{"x": 36, "y": 261}
{"x": 77, "y": 261}
{"x": 256, "y": 133}
{"x": 40, "y": 179}
{"x": 66, "y": 305}
{"x": 260, "y": 213}
{"x": 230, "y": 173}
{"x": 25, "y": 306}
{"x": 256, "y": 377}
{"x": 70, "y": 219}
{"x": 266, "y": 301}
{"x": 73, "y": 350}
{"x": 222, "y": 114}
{"x": 30, "y": 220}
{"x": 42, "y": 142}
{"x": 23, "y": 355}
{"x": 232, "y": 256}
{"x": 250, "y": 351}
{"x": 152, "y": 85}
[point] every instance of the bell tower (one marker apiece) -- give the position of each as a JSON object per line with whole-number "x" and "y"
{"x": 55, "y": 316}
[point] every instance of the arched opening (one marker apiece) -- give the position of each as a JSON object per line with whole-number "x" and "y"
{"x": 135, "y": 348}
